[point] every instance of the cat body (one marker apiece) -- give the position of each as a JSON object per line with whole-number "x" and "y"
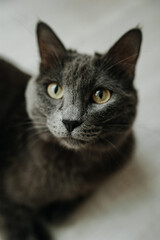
{"x": 68, "y": 129}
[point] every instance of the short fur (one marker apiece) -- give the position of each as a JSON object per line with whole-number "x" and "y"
{"x": 42, "y": 164}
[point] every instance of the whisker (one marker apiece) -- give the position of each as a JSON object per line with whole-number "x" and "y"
{"x": 35, "y": 136}
{"x": 117, "y": 151}
{"x": 32, "y": 136}
{"x": 27, "y": 122}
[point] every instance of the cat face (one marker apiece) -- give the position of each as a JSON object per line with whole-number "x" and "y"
{"x": 83, "y": 100}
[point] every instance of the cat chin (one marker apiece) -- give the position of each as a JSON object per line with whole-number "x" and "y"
{"x": 72, "y": 143}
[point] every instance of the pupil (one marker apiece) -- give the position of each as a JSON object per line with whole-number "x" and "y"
{"x": 100, "y": 94}
{"x": 56, "y": 89}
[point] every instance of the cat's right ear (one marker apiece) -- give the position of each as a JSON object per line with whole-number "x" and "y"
{"x": 52, "y": 51}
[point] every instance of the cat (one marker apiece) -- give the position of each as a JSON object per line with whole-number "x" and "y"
{"x": 64, "y": 131}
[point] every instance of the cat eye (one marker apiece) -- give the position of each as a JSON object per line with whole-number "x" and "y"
{"x": 101, "y": 96}
{"x": 55, "y": 91}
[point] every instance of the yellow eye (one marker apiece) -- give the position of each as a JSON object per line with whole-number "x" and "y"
{"x": 101, "y": 96}
{"x": 55, "y": 91}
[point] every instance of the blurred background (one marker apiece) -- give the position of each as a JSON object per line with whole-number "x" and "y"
{"x": 125, "y": 207}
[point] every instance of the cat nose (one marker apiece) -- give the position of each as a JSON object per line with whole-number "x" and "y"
{"x": 70, "y": 125}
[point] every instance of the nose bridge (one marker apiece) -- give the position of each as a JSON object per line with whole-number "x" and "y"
{"x": 71, "y": 112}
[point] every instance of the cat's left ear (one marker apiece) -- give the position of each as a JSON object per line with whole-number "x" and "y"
{"x": 122, "y": 57}
{"x": 52, "y": 51}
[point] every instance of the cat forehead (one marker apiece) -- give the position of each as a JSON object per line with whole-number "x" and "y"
{"x": 79, "y": 69}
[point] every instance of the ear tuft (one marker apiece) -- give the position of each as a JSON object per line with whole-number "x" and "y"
{"x": 52, "y": 51}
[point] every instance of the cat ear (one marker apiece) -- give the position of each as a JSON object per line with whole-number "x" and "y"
{"x": 52, "y": 51}
{"x": 122, "y": 57}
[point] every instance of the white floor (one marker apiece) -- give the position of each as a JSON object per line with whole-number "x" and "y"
{"x": 127, "y": 207}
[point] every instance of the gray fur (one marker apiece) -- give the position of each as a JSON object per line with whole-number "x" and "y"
{"x": 54, "y": 165}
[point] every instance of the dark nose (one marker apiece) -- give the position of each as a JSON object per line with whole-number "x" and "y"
{"x": 70, "y": 125}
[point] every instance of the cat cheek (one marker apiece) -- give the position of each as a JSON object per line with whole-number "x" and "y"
{"x": 55, "y": 125}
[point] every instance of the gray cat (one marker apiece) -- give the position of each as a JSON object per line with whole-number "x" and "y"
{"x": 64, "y": 131}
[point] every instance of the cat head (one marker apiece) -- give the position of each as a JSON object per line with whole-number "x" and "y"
{"x": 82, "y": 100}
